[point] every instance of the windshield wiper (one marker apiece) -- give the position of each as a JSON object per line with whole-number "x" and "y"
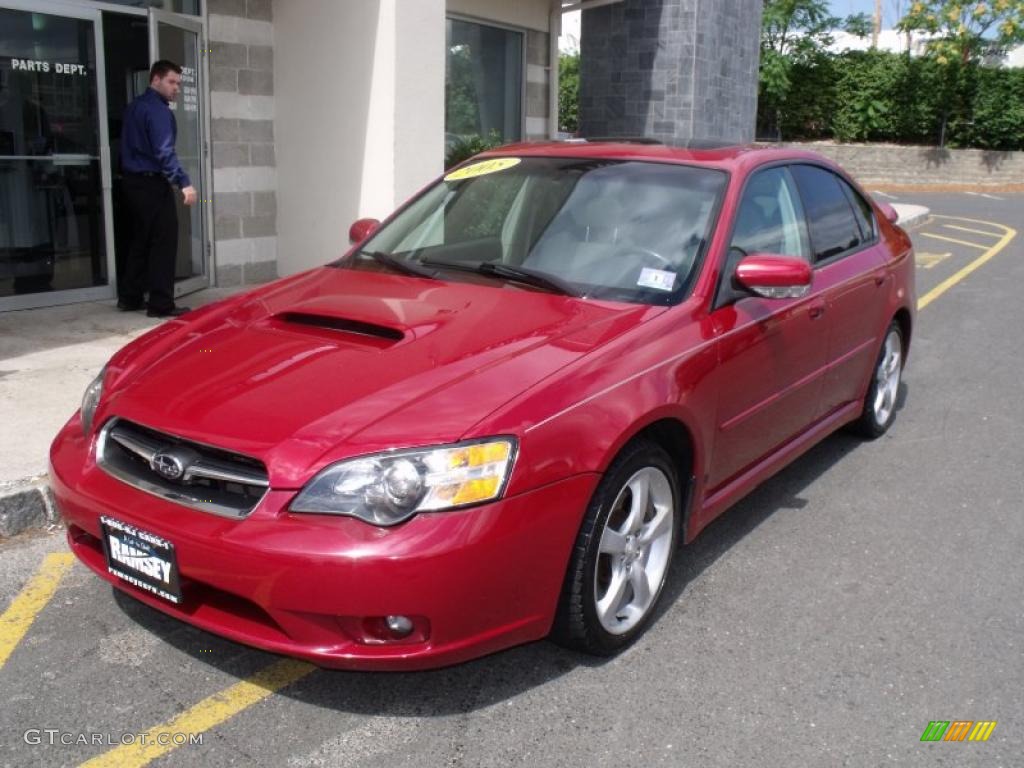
{"x": 401, "y": 265}
{"x": 508, "y": 272}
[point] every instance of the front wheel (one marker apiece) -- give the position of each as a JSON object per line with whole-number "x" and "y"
{"x": 880, "y": 402}
{"x": 622, "y": 555}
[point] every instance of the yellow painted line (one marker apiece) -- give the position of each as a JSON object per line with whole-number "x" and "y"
{"x": 210, "y": 712}
{"x": 954, "y": 240}
{"x": 987, "y": 256}
{"x": 30, "y": 601}
{"x": 972, "y": 230}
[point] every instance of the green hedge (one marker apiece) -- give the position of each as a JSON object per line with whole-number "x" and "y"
{"x": 879, "y": 96}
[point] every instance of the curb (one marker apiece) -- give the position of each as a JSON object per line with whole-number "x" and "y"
{"x": 911, "y": 215}
{"x": 26, "y": 505}
{"x": 915, "y": 219}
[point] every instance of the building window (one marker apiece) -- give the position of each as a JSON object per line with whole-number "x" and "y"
{"x": 190, "y": 7}
{"x": 483, "y": 82}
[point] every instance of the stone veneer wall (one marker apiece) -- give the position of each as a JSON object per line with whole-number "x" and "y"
{"x": 241, "y": 37}
{"x": 674, "y": 70}
{"x": 538, "y": 86}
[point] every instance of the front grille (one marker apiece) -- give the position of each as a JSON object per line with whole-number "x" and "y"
{"x": 188, "y": 473}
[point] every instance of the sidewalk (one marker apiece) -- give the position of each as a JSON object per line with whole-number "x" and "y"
{"x": 48, "y": 357}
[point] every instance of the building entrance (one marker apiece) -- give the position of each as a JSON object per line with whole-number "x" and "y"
{"x": 67, "y": 71}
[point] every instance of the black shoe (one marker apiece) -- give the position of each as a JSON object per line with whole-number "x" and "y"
{"x": 171, "y": 312}
{"x": 130, "y": 306}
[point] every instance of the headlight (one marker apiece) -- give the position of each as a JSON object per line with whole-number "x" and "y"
{"x": 91, "y": 399}
{"x": 389, "y": 488}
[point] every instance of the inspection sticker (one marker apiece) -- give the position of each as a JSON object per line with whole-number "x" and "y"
{"x": 483, "y": 168}
{"x": 658, "y": 279}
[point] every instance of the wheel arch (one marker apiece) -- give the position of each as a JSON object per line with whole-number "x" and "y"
{"x": 677, "y": 439}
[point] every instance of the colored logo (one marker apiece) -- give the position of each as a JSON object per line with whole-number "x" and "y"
{"x": 958, "y": 730}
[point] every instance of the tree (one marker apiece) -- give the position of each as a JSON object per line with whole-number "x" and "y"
{"x": 966, "y": 30}
{"x": 795, "y": 32}
{"x": 569, "y": 92}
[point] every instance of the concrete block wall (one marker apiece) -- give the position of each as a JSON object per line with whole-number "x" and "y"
{"x": 675, "y": 70}
{"x": 899, "y": 164}
{"x": 242, "y": 140}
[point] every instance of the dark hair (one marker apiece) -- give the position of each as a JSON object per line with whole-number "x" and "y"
{"x": 161, "y": 68}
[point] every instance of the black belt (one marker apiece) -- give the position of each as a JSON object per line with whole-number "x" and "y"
{"x": 145, "y": 174}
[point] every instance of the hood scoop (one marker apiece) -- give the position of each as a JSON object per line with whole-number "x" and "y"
{"x": 357, "y": 331}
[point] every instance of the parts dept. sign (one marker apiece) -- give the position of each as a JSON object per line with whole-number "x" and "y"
{"x": 46, "y": 67}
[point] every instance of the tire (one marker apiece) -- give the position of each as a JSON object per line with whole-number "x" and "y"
{"x": 879, "y": 409}
{"x": 609, "y": 596}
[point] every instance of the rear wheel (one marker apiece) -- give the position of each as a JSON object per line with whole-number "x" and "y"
{"x": 623, "y": 553}
{"x": 880, "y": 402}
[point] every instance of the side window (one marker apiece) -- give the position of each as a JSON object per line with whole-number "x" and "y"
{"x": 770, "y": 217}
{"x": 862, "y": 210}
{"x": 830, "y": 216}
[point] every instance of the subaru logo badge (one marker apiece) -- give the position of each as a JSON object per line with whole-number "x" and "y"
{"x": 168, "y": 465}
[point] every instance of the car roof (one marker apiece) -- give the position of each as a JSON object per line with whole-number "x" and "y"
{"x": 730, "y": 157}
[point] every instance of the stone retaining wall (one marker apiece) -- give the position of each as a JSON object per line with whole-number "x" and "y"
{"x": 896, "y": 164}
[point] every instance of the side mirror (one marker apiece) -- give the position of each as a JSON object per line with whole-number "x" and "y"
{"x": 361, "y": 230}
{"x": 889, "y": 212}
{"x": 774, "y": 277}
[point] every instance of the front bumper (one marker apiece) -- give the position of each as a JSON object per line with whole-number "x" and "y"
{"x": 479, "y": 579}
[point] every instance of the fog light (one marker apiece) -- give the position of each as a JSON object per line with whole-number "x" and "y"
{"x": 392, "y": 629}
{"x": 399, "y": 626}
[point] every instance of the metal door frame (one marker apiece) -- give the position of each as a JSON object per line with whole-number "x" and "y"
{"x": 197, "y": 25}
{"x": 95, "y": 293}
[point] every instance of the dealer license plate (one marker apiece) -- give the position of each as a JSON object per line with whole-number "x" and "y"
{"x": 141, "y": 558}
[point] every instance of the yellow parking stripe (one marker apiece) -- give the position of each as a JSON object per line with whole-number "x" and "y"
{"x": 954, "y": 240}
{"x": 211, "y": 711}
{"x": 987, "y": 256}
{"x": 971, "y": 230}
{"x": 30, "y": 601}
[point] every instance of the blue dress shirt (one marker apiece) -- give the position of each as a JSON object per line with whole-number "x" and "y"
{"x": 147, "y": 139}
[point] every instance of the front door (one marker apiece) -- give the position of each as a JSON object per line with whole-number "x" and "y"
{"x": 180, "y": 39}
{"x": 55, "y": 223}
{"x": 772, "y": 352}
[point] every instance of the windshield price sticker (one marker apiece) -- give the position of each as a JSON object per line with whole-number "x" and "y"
{"x": 658, "y": 279}
{"x": 483, "y": 168}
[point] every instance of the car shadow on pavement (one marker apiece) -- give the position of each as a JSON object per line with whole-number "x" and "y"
{"x": 481, "y": 683}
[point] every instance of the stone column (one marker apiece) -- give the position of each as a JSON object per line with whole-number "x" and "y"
{"x": 674, "y": 70}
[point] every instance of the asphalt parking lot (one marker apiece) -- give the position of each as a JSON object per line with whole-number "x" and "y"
{"x": 826, "y": 620}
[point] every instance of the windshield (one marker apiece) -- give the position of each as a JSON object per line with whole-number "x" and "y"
{"x": 618, "y": 230}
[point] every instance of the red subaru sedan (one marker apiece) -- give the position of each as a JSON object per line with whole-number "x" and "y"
{"x": 494, "y": 418}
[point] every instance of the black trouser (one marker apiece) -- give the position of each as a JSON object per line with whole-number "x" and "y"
{"x": 154, "y": 241}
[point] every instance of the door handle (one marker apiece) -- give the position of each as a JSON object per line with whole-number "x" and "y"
{"x": 816, "y": 310}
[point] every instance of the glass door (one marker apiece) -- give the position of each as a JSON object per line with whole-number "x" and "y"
{"x": 55, "y": 222}
{"x": 180, "y": 39}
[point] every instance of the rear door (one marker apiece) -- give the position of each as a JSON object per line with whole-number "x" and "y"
{"x": 849, "y": 269}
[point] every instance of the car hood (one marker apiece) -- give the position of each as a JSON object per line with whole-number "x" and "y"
{"x": 339, "y": 362}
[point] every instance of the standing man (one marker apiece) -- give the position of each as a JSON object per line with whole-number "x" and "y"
{"x": 150, "y": 167}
